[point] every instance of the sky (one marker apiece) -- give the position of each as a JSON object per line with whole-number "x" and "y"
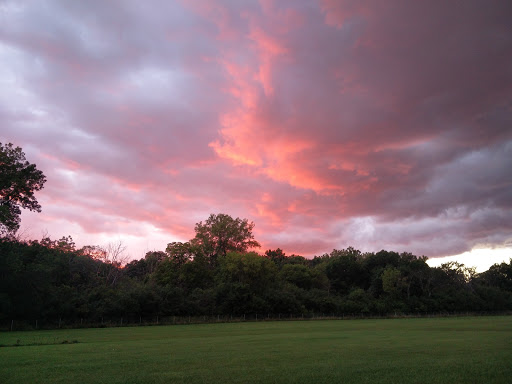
{"x": 329, "y": 124}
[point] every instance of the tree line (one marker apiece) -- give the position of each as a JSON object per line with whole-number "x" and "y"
{"x": 216, "y": 273}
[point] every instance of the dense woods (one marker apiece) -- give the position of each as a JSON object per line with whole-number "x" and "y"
{"x": 216, "y": 274}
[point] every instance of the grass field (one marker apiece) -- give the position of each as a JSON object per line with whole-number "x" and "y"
{"x": 440, "y": 350}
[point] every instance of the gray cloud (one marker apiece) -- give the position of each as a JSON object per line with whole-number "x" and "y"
{"x": 377, "y": 125}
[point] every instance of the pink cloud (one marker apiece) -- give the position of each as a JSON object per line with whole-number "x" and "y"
{"x": 328, "y": 124}
{"x": 337, "y": 13}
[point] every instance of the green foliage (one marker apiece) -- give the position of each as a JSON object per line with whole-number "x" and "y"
{"x": 345, "y": 270}
{"x": 391, "y": 280}
{"x": 277, "y": 256}
{"x": 50, "y": 279}
{"x": 498, "y": 276}
{"x": 220, "y": 234}
{"x": 247, "y": 268}
{"x": 297, "y": 274}
{"x": 180, "y": 253}
{"x": 18, "y": 181}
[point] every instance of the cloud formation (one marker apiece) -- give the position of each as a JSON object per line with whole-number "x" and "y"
{"x": 329, "y": 123}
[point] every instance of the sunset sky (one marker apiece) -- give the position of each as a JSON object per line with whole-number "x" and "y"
{"x": 372, "y": 124}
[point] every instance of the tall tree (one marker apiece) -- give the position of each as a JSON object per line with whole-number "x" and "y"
{"x": 18, "y": 181}
{"x": 220, "y": 234}
{"x": 179, "y": 252}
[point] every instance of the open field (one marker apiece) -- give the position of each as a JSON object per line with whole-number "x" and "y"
{"x": 440, "y": 350}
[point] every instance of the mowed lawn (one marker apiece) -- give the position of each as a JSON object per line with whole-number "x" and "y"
{"x": 439, "y": 350}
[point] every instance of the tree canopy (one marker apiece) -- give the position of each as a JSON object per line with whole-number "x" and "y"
{"x": 220, "y": 234}
{"x": 216, "y": 274}
{"x": 19, "y": 179}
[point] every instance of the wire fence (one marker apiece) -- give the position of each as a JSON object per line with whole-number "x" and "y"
{"x": 130, "y": 321}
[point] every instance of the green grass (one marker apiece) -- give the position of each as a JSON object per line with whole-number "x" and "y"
{"x": 441, "y": 350}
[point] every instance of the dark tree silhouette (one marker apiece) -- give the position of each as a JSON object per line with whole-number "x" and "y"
{"x": 18, "y": 181}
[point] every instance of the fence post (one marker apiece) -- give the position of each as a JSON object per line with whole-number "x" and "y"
{"x": 12, "y": 324}
{"x": 60, "y": 320}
